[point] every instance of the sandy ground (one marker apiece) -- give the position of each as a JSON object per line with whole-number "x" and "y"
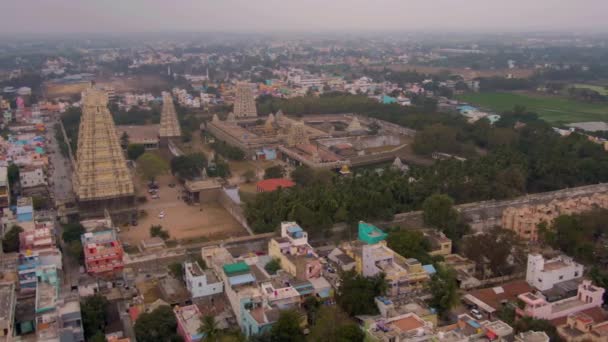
{"x": 120, "y": 84}
{"x": 181, "y": 220}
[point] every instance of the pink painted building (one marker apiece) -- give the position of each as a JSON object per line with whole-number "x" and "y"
{"x": 588, "y": 296}
{"x": 37, "y": 239}
{"x": 188, "y": 322}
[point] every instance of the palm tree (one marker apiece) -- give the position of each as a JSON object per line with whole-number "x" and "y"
{"x": 209, "y": 328}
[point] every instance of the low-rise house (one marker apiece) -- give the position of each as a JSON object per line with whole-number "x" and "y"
{"x": 440, "y": 244}
{"x": 5, "y": 191}
{"x": 201, "y": 283}
{"x": 490, "y": 300}
{"x": 537, "y": 306}
{"x": 297, "y": 257}
{"x": 372, "y": 257}
{"x": 343, "y": 260}
{"x": 408, "y": 327}
{"x": 543, "y": 273}
{"x": 532, "y": 336}
{"x": 581, "y": 327}
{"x": 103, "y": 252}
{"x": 465, "y": 270}
{"x": 188, "y": 322}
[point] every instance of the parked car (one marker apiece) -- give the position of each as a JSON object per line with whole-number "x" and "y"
{"x": 475, "y": 313}
{"x": 172, "y": 185}
{"x": 161, "y": 215}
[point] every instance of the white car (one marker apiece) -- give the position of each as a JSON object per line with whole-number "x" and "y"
{"x": 161, "y": 215}
{"x": 475, "y": 313}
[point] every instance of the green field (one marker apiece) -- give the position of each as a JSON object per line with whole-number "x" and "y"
{"x": 600, "y": 89}
{"x": 551, "y": 109}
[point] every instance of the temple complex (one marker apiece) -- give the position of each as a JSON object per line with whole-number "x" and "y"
{"x": 169, "y": 125}
{"x": 244, "y": 102}
{"x": 101, "y": 178}
{"x": 327, "y": 141}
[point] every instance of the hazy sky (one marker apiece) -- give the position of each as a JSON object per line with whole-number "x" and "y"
{"x": 91, "y": 16}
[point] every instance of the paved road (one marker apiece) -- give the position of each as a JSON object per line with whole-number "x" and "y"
{"x": 61, "y": 170}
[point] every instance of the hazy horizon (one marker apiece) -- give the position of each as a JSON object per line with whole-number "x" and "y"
{"x": 277, "y": 16}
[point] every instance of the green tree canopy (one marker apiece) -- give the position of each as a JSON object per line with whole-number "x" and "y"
{"x": 93, "y": 310}
{"x": 135, "y": 150}
{"x": 444, "y": 289}
{"x": 10, "y": 242}
{"x": 356, "y": 293}
{"x": 276, "y": 171}
{"x": 188, "y": 166}
{"x": 72, "y": 232}
{"x": 333, "y": 325}
{"x": 288, "y": 328}
{"x": 410, "y": 244}
{"x": 159, "y": 325}
{"x": 498, "y": 251}
{"x": 150, "y": 166}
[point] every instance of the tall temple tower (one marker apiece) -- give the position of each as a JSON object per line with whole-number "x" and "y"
{"x": 244, "y": 102}
{"x": 169, "y": 125}
{"x": 101, "y": 178}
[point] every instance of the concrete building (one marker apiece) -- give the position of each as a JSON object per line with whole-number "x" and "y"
{"x": 524, "y": 220}
{"x": 188, "y": 322}
{"x": 8, "y": 300}
{"x": 32, "y": 177}
{"x": 372, "y": 257}
{"x": 532, "y": 336}
{"x": 101, "y": 177}
{"x": 297, "y": 257}
{"x": 103, "y": 252}
{"x": 146, "y": 135}
{"x": 70, "y": 321}
{"x": 440, "y": 244}
{"x": 244, "y": 102}
{"x": 544, "y": 274}
{"x": 537, "y": 306}
{"x": 201, "y": 283}
{"x": 5, "y": 191}
{"x": 403, "y": 328}
{"x": 581, "y": 327}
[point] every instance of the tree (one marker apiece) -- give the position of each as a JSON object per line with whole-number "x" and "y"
{"x": 72, "y": 232}
{"x": 303, "y": 175}
{"x": 438, "y": 211}
{"x": 209, "y": 328}
{"x": 334, "y": 325}
{"x": 74, "y": 249}
{"x": 276, "y": 171}
{"x": 124, "y": 141}
{"x": 93, "y": 310}
{"x": 98, "y": 337}
{"x": 356, "y": 293}
{"x": 497, "y": 251}
{"x": 177, "y": 270}
{"x": 410, "y": 244}
{"x": 273, "y": 266}
{"x": 288, "y": 327}
{"x": 151, "y": 166}
{"x": 188, "y": 166}
{"x": 159, "y": 325}
{"x": 10, "y": 242}
{"x": 249, "y": 176}
{"x": 157, "y": 231}
{"x": 13, "y": 175}
{"x": 444, "y": 289}
{"x": 135, "y": 150}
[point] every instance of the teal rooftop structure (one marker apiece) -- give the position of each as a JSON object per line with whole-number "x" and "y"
{"x": 370, "y": 234}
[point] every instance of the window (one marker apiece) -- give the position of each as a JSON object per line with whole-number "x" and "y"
{"x": 561, "y": 277}
{"x": 576, "y": 274}
{"x": 540, "y": 280}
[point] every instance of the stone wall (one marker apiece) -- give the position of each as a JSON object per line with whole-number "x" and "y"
{"x": 487, "y": 214}
{"x": 233, "y": 208}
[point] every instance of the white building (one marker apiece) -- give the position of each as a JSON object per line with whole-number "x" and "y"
{"x": 32, "y": 178}
{"x": 201, "y": 283}
{"x": 544, "y": 274}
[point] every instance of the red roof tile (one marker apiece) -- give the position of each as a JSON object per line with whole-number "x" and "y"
{"x": 268, "y": 185}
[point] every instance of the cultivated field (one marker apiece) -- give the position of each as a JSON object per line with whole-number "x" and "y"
{"x": 550, "y": 108}
{"x": 468, "y": 74}
{"x": 602, "y": 90}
